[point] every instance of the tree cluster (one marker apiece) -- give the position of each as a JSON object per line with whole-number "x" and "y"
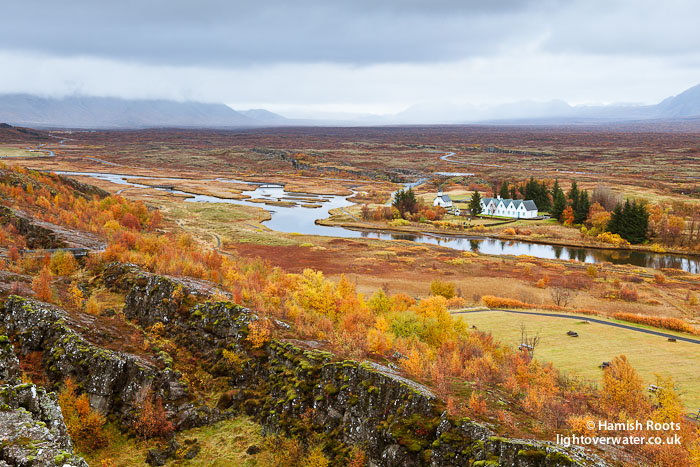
{"x": 630, "y": 221}
{"x": 405, "y": 201}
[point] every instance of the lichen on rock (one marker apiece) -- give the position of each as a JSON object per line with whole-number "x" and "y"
{"x": 116, "y": 383}
{"x": 32, "y": 430}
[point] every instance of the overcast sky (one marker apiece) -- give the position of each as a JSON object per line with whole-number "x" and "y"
{"x": 367, "y": 56}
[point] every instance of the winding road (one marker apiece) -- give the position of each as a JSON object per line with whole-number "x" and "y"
{"x": 592, "y": 320}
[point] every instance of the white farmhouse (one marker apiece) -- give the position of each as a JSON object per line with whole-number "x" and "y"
{"x": 517, "y": 208}
{"x": 442, "y": 200}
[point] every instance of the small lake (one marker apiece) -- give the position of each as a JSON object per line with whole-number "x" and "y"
{"x": 302, "y": 210}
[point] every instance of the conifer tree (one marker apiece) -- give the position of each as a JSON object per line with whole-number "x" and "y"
{"x": 559, "y": 201}
{"x": 582, "y": 207}
{"x": 475, "y": 204}
{"x": 504, "y": 190}
{"x": 630, "y": 221}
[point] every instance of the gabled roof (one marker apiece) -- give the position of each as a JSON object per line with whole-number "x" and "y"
{"x": 444, "y": 197}
{"x": 528, "y": 203}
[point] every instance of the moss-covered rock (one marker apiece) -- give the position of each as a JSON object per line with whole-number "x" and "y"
{"x": 307, "y": 393}
{"x": 32, "y": 430}
{"x": 9, "y": 365}
{"x": 116, "y": 383}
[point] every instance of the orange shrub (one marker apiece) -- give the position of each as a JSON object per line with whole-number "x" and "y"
{"x": 152, "y": 421}
{"x": 501, "y": 302}
{"x": 581, "y": 424}
{"x": 623, "y": 394}
{"x": 477, "y": 404}
{"x": 41, "y": 285}
{"x": 259, "y": 333}
{"x": 586, "y": 311}
{"x": 509, "y": 231}
{"x": 85, "y": 426}
{"x": 445, "y": 289}
{"x": 674, "y": 324}
{"x": 629, "y": 294}
{"x": 63, "y": 263}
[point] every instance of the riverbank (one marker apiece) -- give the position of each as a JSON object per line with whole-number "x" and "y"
{"x": 428, "y": 229}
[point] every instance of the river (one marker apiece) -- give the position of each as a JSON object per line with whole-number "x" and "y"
{"x": 297, "y": 218}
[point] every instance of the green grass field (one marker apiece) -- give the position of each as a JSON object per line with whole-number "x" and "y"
{"x": 597, "y": 343}
{"x": 18, "y": 152}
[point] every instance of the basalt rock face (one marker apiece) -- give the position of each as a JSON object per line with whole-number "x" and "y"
{"x": 294, "y": 390}
{"x": 36, "y": 236}
{"x": 116, "y": 383}
{"x": 9, "y": 364}
{"x": 203, "y": 327}
{"x": 32, "y": 430}
{"x": 399, "y": 423}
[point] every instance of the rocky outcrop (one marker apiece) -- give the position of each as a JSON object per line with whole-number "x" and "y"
{"x": 35, "y": 235}
{"x": 296, "y": 390}
{"x": 398, "y": 422}
{"x": 9, "y": 364}
{"x": 32, "y": 430}
{"x": 83, "y": 189}
{"x": 116, "y": 383}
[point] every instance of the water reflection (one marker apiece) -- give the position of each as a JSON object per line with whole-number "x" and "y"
{"x": 295, "y": 218}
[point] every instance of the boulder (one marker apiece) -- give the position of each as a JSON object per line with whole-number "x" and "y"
{"x": 32, "y": 429}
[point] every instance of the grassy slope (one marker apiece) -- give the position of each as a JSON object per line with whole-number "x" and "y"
{"x": 223, "y": 445}
{"x": 597, "y": 343}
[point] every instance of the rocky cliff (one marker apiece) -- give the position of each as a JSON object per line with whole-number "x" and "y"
{"x": 116, "y": 383}
{"x": 289, "y": 386}
{"x": 292, "y": 388}
{"x": 32, "y": 430}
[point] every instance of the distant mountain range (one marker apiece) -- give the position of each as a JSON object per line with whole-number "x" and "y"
{"x": 114, "y": 113}
{"x": 683, "y": 106}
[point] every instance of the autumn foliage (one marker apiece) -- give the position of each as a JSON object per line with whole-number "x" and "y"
{"x": 419, "y": 335}
{"x": 152, "y": 421}
{"x": 673, "y": 324}
{"x": 85, "y": 426}
{"x": 41, "y": 285}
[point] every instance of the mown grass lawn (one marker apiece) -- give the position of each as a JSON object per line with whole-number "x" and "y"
{"x": 598, "y": 343}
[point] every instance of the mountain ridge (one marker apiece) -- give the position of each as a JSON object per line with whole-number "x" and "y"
{"x": 116, "y": 113}
{"x": 84, "y": 112}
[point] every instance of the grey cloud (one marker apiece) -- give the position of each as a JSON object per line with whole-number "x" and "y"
{"x": 233, "y": 33}
{"x": 625, "y": 28}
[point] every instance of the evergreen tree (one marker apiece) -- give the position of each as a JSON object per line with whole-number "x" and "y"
{"x": 582, "y": 207}
{"x": 555, "y": 188}
{"x": 573, "y": 195}
{"x": 513, "y": 194}
{"x": 504, "y": 190}
{"x": 539, "y": 193}
{"x": 616, "y": 219}
{"x": 559, "y": 201}
{"x": 630, "y": 221}
{"x": 640, "y": 223}
{"x": 405, "y": 201}
{"x": 475, "y": 204}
